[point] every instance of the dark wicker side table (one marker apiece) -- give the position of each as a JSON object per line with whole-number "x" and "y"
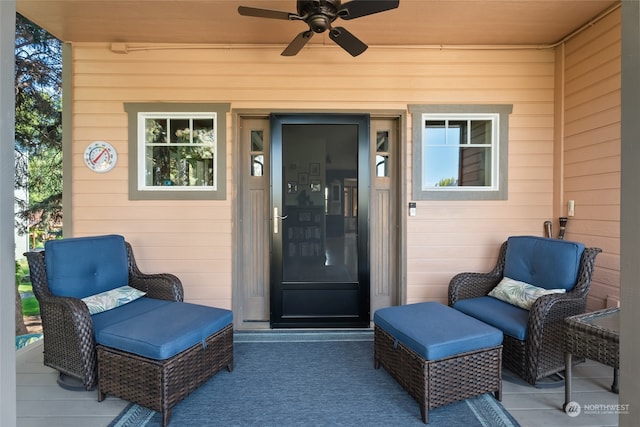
{"x": 595, "y": 336}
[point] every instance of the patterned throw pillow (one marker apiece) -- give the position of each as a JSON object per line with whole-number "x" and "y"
{"x": 520, "y": 294}
{"x": 111, "y": 299}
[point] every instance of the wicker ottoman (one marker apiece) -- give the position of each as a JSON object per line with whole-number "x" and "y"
{"x": 438, "y": 354}
{"x": 159, "y": 371}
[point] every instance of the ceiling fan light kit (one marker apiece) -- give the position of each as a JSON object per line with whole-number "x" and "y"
{"x": 319, "y": 15}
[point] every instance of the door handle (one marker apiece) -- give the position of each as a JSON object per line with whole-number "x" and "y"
{"x": 277, "y": 217}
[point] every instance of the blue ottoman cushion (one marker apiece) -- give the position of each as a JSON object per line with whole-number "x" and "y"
{"x": 435, "y": 331}
{"x": 510, "y": 319}
{"x": 542, "y": 262}
{"x": 125, "y": 312}
{"x": 166, "y": 331}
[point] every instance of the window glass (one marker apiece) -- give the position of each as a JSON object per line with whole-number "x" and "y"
{"x": 456, "y": 156}
{"x": 383, "y": 149}
{"x": 257, "y": 153}
{"x": 179, "y": 151}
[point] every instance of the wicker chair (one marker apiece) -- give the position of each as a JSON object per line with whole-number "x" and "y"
{"x": 541, "y": 354}
{"x": 69, "y": 342}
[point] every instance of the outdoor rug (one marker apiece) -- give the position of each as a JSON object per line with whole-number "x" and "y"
{"x": 317, "y": 383}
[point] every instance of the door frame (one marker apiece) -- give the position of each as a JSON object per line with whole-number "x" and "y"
{"x": 238, "y": 187}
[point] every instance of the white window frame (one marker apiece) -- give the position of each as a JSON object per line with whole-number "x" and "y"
{"x": 498, "y": 115}
{"x": 138, "y": 113}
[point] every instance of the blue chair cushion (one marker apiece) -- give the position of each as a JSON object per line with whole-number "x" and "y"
{"x": 542, "y": 262}
{"x": 510, "y": 319}
{"x": 435, "y": 331}
{"x": 166, "y": 331}
{"x": 125, "y": 312}
{"x": 83, "y": 266}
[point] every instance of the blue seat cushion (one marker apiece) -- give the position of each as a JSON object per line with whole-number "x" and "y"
{"x": 165, "y": 331}
{"x": 510, "y": 319}
{"x": 83, "y": 266}
{"x": 125, "y": 312}
{"x": 435, "y": 331}
{"x": 542, "y": 262}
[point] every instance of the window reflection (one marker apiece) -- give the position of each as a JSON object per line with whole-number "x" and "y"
{"x": 257, "y": 165}
{"x": 457, "y": 153}
{"x": 257, "y": 153}
{"x": 382, "y": 153}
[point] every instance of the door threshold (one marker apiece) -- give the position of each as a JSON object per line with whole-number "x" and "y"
{"x": 303, "y": 335}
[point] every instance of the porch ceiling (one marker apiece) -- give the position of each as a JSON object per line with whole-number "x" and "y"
{"x": 415, "y": 22}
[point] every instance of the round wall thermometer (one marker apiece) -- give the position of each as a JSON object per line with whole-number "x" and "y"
{"x": 100, "y": 156}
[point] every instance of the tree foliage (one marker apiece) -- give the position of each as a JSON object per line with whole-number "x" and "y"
{"x": 447, "y": 182}
{"x": 38, "y": 127}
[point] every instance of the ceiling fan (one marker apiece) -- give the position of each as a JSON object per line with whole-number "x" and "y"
{"x": 319, "y": 15}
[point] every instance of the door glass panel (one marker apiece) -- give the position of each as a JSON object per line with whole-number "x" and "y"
{"x": 319, "y": 168}
{"x": 257, "y": 153}
{"x": 382, "y": 153}
{"x": 257, "y": 164}
{"x": 257, "y": 140}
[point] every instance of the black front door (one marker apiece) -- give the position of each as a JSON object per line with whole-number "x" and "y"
{"x": 319, "y": 251}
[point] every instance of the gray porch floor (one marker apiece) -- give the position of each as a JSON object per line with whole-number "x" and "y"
{"x": 42, "y": 403}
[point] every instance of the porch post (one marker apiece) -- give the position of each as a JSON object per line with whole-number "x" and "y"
{"x": 7, "y": 255}
{"x": 630, "y": 215}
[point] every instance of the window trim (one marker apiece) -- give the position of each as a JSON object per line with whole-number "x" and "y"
{"x": 134, "y": 111}
{"x": 462, "y": 111}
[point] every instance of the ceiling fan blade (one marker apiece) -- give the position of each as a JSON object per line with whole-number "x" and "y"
{"x": 358, "y": 8}
{"x": 297, "y": 43}
{"x": 347, "y": 41}
{"x": 266, "y": 13}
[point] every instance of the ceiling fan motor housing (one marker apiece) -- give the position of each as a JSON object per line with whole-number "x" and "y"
{"x": 319, "y": 14}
